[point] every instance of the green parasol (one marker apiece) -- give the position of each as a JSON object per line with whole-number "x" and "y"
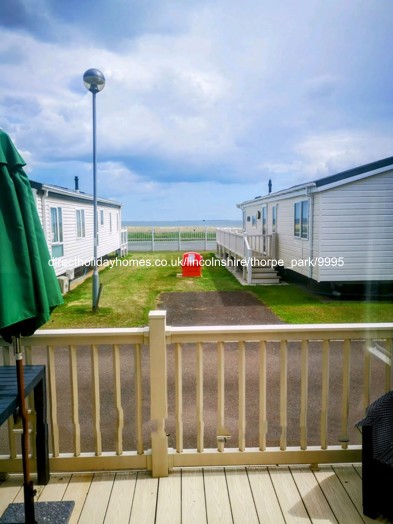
{"x": 28, "y": 286}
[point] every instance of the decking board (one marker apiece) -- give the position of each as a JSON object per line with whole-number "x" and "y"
{"x": 240, "y": 496}
{"x": 120, "y": 503}
{"x": 77, "y": 490}
{"x": 218, "y": 506}
{"x": 97, "y": 499}
{"x": 268, "y": 508}
{"x": 169, "y": 499}
{"x": 272, "y": 495}
{"x": 193, "y": 497}
{"x": 291, "y": 503}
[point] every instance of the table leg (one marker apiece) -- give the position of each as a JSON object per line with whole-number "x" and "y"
{"x": 42, "y": 433}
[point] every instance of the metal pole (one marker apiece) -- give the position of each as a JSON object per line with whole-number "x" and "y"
{"x": 28, "y": 488}
{"x": 96, "y": 283}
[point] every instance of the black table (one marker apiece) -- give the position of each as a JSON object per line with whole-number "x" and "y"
{"x": 34, "y": 378}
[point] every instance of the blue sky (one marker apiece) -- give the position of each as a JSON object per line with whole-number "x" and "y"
{"x": 204, "y": 101}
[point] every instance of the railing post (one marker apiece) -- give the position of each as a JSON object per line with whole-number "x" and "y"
{"x": 248, "y": 254}
{"x": 158, "y": 393}
{"x": 273, "y": 246}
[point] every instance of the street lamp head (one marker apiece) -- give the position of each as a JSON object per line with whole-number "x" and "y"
{"x": 94, "y": 80}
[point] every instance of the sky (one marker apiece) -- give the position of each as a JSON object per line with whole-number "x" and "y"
{"x": 204, "y": 101}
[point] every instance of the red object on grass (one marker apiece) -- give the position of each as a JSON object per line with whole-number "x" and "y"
{"x": 192, "y": 264}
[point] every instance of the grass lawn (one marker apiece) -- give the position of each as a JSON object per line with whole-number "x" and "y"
{"x": 131, "y": 291}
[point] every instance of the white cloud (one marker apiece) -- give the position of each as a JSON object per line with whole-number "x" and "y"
{"x": 321, "y": 155}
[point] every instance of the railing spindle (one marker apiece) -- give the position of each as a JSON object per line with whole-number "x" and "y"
{"x": 262, "y": 396}
{"x": 199, "y": 397}
{"x": 179, "y": 397}
{"x": 242, "y": 396}
{"x": 303, "y": 394}
{"x": 96, "y": 400}
{"x": 367, "y": 375}
{"x": 10, "y": 421}
{"x": 117, "y": 393}
{"x": 283, "y": 393}
{"x": 325, "y": 393}
{"x": 30, "y": 404}
{"x": 75, "y": 400}
{"x": 138, "y": 398}
{"x": 220, "y": 394}
{"x": 53, "y": 400}
{"x": 345, "y": 399}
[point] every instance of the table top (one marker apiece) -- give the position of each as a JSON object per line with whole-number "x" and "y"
{"x": 9, "y": 387}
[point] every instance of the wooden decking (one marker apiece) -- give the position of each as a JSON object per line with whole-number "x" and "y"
{"x": 273, "y": 495}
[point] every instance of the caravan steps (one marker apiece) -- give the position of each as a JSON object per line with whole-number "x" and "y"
{"x": 264, "y": 275}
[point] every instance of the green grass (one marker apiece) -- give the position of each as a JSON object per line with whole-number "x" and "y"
{"x": 296, "y": 305}
{"x": 130, "y": 292}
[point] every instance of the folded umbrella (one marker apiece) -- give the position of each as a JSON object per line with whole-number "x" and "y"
{"x": 29, "y": 290}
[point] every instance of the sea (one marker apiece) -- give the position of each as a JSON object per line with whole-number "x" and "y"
{"x": 183, "y": 223}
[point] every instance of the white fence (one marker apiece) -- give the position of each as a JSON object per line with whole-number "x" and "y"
{"x": 172, "y": 239}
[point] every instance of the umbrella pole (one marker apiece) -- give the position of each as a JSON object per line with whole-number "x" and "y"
{"x": 28, "y": 488}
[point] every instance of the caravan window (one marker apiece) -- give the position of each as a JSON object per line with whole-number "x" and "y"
{"x": 264, "y": 220}
{"x": 274, "y": 219}
{"x": 56, "y": 218}
{"x": 301, "y": 219}
{"x": 304, "y": 224}
{"x": 80, "y": 223}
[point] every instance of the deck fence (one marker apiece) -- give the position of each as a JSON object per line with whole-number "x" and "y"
{"x": 236, "y": 242}
{"x": 159, "y": 397}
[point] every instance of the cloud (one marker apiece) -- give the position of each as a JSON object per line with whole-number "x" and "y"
{"x": 325, "y": 154}
{"x": 22, "y": 14}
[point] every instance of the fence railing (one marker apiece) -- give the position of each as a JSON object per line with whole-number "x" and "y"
{"x": 239, "y": 243}
{"x": 161, "y": 397}
{"x": 171, "y": 238}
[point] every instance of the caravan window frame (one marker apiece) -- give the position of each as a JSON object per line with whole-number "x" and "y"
{"x": 56, "y": 223}
{"x": 80, "y": 223}
{"x": 301, "y": 219}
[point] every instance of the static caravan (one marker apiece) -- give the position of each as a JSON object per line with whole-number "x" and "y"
{"x": 67, "y": 220}
{"x": 336, "y": 229}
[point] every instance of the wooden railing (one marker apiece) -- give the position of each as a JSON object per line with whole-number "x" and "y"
{"x": 160, "y": 397}
{"x": 237, "y": 242}
{"x": 263, "y": 245}
{"x": 231, "y": 239}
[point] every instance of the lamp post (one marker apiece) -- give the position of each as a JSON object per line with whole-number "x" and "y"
{"x": 94, "y": 81}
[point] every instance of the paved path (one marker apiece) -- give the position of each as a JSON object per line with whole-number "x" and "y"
{"x": 218, "y": 308}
